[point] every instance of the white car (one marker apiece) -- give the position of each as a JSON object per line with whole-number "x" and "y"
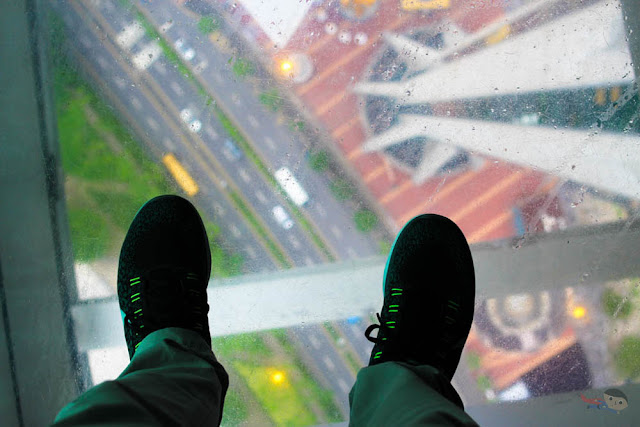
{"x": 186, "y": 116}
{"x": 187, "y": 52}
{"x": 282, "y": 217}
{"x": 195, "y": 126}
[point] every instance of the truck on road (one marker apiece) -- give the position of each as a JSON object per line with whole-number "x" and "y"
{"x": 291, "y": 186}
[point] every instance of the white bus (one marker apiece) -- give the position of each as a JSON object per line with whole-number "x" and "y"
{"x": 291, "y": 186}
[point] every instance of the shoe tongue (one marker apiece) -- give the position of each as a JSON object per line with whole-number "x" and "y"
{"x": 164, "y": 297}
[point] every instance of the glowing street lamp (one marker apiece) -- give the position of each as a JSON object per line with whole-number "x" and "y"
{"x": 286, "y": 66}
{"x": 579, "y": 312}
{"x": 277, "y": 377}
{"x": 296, "y": 67}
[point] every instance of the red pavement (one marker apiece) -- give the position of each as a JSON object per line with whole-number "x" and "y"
{"x": 480, "y": 201}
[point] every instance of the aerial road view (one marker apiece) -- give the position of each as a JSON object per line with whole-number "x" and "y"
{"x": 308, "y": 133}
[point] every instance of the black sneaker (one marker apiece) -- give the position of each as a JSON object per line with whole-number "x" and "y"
{"x": 163, "y": 272}
{"x": 429, "y": 292}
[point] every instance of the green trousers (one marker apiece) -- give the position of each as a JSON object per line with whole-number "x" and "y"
{"x": 174, "y": 379}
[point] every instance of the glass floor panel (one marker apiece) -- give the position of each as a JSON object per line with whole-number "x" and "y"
{"x": 308, "y": 133}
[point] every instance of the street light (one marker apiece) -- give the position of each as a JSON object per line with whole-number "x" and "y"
{"x": 579, "y": 312}
{"x": 286, "y": 66}
{"x": 277, "y": 377}
{"x": 295, "y": 66}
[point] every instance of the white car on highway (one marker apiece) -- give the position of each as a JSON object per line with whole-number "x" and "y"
{"x": 184, "y": 50}
{"x": 186, "y": 116}
{"x": 282, "y": 217}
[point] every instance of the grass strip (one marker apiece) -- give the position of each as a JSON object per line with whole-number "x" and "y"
{"x": 235, "y": 134}
{"x": 169, "y": 52}
{"x": 173, "y": 57}
{"x": 354, "y": 364}
{"x": 324, "y": 397}
{"x": 294, "y": 392}
{"x": 253, "y": 222}
{"x": 281, "y": 401}
{"x": 109, "y": 174}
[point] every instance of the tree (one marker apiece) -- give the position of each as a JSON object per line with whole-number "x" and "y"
{"x": 319, "y": 161}
{"x": 627, "y": 357}
{"x": 243, "y": 68}
{"x": 208, "y": 24}
{"x": 271, "y": 99}
{"x": 365, "y": 220}
{"x": 612, "y": 303}
{"x": 342, "y": 189}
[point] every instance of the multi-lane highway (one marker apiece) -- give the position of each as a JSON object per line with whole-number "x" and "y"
{"x": 275, "y": 143}
{"x": 150, "y": 92}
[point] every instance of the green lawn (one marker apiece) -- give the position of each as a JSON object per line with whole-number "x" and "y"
{"x": 282, "y": 401}
{"x": 292, "y": 400}
{"x": 108, "y": 175}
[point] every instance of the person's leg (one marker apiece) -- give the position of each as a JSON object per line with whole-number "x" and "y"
{"x": 395, "y": 393}
{"x": 429, "y": 292}
{"x": 173, "y": 377}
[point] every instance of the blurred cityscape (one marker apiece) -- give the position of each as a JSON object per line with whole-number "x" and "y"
{"x": 308, "y": 133}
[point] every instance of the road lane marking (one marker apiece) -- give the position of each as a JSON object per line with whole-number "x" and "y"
{"x": 251, "y": 251}
{"x": 352, "y": 252}
{"x": 270, "y": 143}
{"x": 295, "y": 242}
{"x": 314, "y": 342}
{"x": 136, "y": 103}
{"x": 343, "y": 385}
{"x": 336, "y": 231}
{"x": 327, "y": 361}
{"x": 244, "y": 175}
{"x": 235, "y": 230}
{"x": 212, "y": 133}
{"x": 120, "y": 82}
{"x": 218, "y": 208}
{"x": 170, "y": 146}
{"x": 176, "y": 88}
{"x": 260, "y": 195}
{"x": 252, "y": 121}
{"x": 236, "y": 99}
{"x": 308, "y": 261}
{"x": 84, "y": 40}
{"x": 217, "y": 77}
{"x": 152, "y": 123}
{"x": 160, "y": 68}
{"x": 102, "y": 62}
{"x": 321, "y": 211}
